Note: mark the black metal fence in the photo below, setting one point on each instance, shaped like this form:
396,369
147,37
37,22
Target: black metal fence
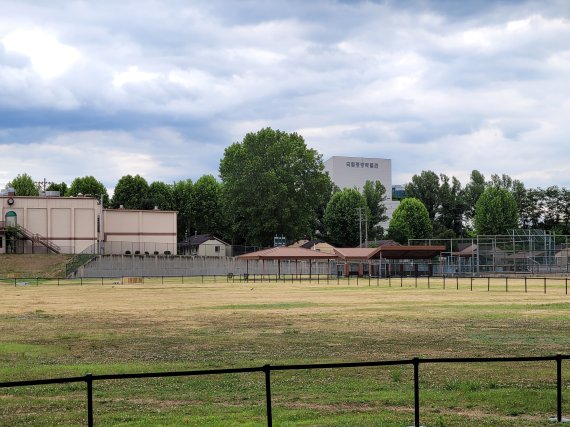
89,379
489,283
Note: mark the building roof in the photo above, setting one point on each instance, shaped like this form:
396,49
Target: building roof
286,252
407,252
354,253
198,239
467,251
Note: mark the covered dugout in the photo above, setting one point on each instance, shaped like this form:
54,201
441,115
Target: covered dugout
293,261
413,260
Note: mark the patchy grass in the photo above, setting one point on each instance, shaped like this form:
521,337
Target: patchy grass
33,265
50,331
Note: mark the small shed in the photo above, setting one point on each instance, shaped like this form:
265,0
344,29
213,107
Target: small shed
205,245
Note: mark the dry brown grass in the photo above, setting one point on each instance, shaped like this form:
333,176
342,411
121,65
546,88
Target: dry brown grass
52,331
33,265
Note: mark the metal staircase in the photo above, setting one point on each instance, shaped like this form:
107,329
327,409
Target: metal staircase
37,238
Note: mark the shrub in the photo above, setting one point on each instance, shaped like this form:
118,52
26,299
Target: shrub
166,252
127,252
156,252
137,252
146,253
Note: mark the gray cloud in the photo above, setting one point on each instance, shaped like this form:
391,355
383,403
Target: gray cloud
161,89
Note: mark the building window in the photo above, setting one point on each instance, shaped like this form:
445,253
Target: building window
217,249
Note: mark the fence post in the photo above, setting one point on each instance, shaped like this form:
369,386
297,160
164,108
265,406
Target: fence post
416,362
545,285
559,388
507,284
488,284
428,281
89,380
267,370
471,286
525,287
457,281
444,281
567,286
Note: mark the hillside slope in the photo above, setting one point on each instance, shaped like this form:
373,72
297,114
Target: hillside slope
33,265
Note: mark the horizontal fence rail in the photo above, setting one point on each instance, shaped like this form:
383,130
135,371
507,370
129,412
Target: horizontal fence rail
89,379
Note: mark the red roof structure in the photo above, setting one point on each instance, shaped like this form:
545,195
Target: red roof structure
286,253
354,253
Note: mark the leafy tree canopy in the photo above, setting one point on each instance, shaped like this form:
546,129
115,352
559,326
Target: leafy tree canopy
61,187
24,185
88,185
159,195
375,194
273,185
496,212
410,221
182,199
208,211
131,192
425,187
343,219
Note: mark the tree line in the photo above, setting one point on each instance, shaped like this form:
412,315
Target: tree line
272,184
488,207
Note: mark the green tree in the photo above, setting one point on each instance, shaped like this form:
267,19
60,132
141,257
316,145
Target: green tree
410,221
375,194
24,185
88,185
131,192
496,212
272,185
208,211
61,187
342,217
320,228
182,199
425,188
452,207
471,194
159,195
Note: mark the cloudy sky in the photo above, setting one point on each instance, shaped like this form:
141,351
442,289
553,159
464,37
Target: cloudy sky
160,88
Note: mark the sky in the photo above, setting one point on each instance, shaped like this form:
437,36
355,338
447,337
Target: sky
161,88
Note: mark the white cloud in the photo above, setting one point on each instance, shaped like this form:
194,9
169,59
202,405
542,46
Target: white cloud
49,57
133,76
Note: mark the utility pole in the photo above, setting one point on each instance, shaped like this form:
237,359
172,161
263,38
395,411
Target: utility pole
366,230
360,224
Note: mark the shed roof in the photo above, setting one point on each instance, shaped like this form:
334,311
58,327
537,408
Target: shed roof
198,239
286,252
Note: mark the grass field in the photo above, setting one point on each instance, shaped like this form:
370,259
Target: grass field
54,331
